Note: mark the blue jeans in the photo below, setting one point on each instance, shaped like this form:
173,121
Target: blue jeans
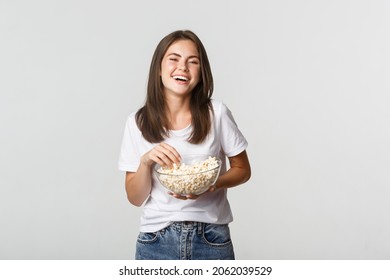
186,241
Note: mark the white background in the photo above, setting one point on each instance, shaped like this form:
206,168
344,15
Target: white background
304,80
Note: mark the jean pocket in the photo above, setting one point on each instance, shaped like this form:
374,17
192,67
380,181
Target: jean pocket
147,237
217,235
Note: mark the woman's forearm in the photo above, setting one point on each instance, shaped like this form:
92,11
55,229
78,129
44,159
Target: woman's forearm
239,172
233,177
138,185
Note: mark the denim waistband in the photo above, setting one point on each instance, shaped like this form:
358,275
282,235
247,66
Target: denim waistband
187,225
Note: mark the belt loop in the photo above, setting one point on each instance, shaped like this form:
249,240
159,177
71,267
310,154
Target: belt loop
200,228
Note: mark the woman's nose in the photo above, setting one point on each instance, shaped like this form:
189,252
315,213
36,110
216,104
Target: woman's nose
183,67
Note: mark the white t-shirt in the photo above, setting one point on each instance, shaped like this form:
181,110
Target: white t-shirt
161,209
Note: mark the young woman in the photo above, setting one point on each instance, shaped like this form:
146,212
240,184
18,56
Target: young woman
178,118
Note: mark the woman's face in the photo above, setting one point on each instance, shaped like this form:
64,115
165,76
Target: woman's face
180,68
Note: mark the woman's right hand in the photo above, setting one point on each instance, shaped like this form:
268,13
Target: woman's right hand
162,154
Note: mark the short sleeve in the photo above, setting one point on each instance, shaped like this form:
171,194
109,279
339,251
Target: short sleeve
232,140
129,154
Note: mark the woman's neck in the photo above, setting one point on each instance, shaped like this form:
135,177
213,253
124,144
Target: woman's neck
178,113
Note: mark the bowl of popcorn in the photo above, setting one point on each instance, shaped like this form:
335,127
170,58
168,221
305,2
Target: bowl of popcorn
194,175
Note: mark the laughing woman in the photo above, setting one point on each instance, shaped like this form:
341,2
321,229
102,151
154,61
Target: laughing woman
179,117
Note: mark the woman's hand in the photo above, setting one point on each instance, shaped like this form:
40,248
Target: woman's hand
191,196
162,154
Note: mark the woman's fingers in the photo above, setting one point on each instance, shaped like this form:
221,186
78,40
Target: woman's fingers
165,155
190,196
178,196
183,197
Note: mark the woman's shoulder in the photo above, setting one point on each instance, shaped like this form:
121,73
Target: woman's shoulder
216,102
219,107
132,115
131,120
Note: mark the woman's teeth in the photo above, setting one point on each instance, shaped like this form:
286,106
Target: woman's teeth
180,78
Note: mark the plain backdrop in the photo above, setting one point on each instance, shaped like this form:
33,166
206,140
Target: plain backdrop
305,81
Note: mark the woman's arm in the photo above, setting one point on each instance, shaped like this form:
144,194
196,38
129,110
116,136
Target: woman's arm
139,184
239,172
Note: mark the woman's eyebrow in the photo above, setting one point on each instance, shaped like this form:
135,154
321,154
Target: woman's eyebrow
178,55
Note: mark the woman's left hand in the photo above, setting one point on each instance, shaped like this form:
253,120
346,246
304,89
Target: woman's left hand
191,196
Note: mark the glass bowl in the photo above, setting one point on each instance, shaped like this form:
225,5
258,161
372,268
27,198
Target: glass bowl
195,174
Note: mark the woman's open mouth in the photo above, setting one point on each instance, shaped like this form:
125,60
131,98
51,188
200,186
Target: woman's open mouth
180,78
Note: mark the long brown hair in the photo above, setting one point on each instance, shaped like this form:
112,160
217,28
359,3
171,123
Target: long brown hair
151,118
